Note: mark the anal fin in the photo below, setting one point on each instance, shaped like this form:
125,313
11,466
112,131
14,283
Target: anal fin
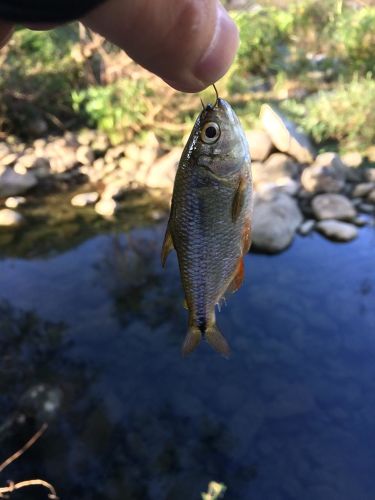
238,277
167,246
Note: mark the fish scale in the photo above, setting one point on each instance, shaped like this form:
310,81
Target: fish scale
210,218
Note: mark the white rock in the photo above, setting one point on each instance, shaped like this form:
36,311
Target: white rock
366,208
84,199
260,144
352,159
14,201
363,189
288,186
369,174
278,166
12,184
306,227
162,173
85,155
329,159
41,167
371,196
333,206
10,218
325,175
360,221
337,231
9,159
285,136
106,207
275,220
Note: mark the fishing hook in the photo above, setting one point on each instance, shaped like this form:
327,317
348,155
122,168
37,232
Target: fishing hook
217,95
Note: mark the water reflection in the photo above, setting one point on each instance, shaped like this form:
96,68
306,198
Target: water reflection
290,416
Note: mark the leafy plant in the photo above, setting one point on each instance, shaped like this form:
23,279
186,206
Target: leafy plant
345,113
263,33
355,38
119,109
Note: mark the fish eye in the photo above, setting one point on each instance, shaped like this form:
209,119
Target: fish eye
210,132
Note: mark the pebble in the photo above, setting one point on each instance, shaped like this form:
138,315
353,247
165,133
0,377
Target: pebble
360,221
10,218
333,206
14,201
306,227
106,207
363,189
352,159
325,175
371,196
85,155
84,199
366,208
336,230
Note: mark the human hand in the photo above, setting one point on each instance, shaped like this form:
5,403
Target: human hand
188,43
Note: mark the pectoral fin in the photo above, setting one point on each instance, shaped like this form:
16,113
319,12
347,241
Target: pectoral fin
239,199
167,246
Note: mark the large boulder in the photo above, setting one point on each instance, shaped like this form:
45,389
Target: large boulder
325,175
260,144
333,206
162,172
13,183
275,221
278,167
285,136
337,231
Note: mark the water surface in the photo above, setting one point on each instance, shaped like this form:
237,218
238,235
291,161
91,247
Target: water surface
290,416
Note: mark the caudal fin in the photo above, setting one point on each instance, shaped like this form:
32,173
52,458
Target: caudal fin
216,340
192,339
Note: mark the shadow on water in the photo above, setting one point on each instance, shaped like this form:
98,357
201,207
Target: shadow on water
100,326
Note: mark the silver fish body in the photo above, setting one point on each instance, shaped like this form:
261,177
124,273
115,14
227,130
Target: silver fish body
210,219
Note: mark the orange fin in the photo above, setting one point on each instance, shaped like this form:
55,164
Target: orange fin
238,277
192,339
167,246
246,236
238,200
217,341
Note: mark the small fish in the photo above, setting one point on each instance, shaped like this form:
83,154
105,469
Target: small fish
210,219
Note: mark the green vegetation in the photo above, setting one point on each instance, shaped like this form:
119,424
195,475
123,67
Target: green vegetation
114,108
345,114
313,58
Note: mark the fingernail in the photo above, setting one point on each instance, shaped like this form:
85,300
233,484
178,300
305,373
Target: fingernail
222,50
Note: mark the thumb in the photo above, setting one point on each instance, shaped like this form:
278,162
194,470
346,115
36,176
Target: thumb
6,30
188,43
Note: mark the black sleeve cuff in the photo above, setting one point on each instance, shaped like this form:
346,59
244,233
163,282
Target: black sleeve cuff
45,11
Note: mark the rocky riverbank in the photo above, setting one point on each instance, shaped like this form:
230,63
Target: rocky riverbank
296,189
